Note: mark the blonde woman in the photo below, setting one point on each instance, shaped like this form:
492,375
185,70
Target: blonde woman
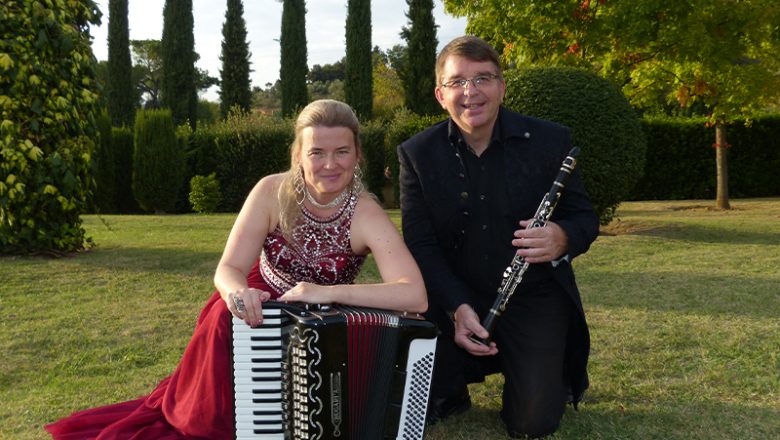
301,236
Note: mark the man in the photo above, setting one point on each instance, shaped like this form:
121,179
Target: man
469,186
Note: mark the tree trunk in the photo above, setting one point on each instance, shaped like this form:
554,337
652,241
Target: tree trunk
721,166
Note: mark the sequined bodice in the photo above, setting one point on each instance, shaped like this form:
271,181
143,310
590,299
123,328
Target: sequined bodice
319,252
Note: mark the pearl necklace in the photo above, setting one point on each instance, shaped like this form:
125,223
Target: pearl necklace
332,204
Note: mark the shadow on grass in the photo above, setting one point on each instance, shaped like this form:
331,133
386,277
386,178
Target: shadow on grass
752,295
669,419
612,420
691,233
146,259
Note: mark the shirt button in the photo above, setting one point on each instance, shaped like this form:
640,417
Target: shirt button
481,197
464,195
461,176
484,227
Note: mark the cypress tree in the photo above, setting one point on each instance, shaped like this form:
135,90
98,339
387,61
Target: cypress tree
358,68
419,78
178,62
120,92
292,73
235,90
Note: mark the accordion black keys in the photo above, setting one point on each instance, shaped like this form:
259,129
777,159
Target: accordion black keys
332,372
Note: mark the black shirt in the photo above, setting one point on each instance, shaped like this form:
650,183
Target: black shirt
487,246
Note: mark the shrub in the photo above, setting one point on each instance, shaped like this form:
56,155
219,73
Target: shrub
47,108
122,146
158,161
204,193
602,121
404,125
372,138
245,148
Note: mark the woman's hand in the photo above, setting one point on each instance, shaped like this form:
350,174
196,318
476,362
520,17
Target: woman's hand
308,293
247,304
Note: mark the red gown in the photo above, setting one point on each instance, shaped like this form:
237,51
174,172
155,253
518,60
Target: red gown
196,401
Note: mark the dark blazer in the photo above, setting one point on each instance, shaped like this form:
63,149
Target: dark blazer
434,210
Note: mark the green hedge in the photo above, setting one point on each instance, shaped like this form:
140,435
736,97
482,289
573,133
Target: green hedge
680,160
404,125
103,168
158,161
122,146
372,137
242,150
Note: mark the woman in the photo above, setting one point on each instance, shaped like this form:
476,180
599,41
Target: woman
301,236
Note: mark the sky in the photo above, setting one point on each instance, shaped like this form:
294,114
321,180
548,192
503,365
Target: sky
325,29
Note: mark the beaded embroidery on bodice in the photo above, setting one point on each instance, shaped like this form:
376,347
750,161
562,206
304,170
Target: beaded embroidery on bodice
320,252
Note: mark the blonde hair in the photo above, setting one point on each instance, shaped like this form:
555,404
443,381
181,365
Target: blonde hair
320,113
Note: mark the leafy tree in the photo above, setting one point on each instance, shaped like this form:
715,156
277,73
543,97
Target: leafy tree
719,54
177,52
268,100
419,76
357,71
121,98
147,71
48,98
292,73
388,89
327,72
235,56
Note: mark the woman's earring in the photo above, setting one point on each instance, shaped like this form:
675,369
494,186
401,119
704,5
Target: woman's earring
357,180
300,186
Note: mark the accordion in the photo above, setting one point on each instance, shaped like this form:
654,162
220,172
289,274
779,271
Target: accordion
332,372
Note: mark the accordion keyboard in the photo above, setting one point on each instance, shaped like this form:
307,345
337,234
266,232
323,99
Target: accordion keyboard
257,356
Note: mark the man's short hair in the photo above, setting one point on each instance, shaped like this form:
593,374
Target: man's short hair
469,47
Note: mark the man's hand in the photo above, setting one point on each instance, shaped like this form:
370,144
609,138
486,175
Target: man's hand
540,245
467,324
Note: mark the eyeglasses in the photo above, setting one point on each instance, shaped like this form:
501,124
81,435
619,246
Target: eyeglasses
479,80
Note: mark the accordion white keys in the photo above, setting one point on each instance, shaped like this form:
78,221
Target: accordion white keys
322,372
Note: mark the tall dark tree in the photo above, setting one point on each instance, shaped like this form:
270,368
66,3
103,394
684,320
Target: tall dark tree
292,73
235,90
419,75
358,85
120,91
178,87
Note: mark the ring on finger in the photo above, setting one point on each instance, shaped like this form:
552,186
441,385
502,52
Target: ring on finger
240,307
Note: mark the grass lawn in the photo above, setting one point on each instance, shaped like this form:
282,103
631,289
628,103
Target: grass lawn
683,303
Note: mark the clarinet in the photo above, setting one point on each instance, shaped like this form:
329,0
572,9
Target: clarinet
513,274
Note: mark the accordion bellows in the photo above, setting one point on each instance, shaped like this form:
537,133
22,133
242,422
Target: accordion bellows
322,372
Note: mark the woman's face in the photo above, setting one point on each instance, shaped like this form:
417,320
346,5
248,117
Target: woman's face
328,158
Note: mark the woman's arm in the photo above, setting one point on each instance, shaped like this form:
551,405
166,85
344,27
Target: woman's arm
402,287
252,225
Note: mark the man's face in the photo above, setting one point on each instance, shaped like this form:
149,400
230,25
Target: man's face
472,107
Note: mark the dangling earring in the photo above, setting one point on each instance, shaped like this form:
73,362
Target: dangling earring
357,180
299,186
